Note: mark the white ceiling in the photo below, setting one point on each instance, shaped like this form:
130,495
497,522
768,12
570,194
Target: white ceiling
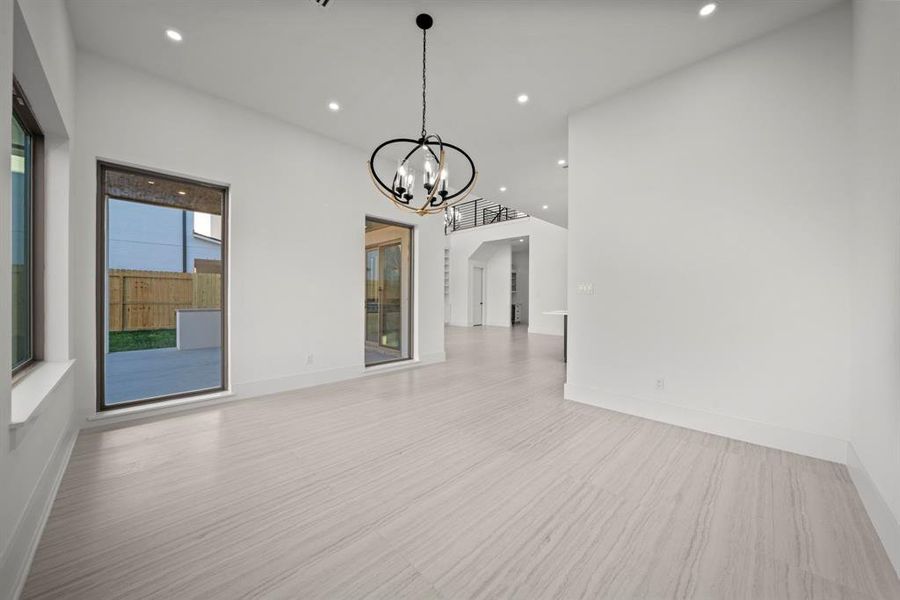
289,58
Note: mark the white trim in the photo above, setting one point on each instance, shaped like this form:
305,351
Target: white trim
756,432
16,560
251,390
265,387
126,413
28,393
406,364
883,519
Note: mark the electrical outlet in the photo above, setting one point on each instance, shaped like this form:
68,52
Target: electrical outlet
660,384
310,359
584,289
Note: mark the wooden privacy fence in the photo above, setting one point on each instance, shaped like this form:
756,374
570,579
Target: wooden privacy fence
149,299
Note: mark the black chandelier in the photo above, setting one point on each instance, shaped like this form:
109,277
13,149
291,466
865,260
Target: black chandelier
434,194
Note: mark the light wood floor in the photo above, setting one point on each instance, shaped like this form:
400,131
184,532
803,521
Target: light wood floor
470,479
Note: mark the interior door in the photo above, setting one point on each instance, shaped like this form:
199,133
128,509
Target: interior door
477,296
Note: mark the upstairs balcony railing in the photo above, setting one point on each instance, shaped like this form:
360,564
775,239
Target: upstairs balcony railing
476,213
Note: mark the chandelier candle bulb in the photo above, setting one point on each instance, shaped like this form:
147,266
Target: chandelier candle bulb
429,172
444,191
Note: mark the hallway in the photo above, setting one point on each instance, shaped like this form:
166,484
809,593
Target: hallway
470,478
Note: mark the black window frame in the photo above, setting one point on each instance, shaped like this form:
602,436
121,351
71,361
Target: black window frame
23,113
102,280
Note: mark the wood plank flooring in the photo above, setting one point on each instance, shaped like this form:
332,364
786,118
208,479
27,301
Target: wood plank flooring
469,479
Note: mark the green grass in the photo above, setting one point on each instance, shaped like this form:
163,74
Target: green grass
124,341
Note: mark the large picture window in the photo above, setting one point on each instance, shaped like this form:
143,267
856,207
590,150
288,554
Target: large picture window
161,290
24,164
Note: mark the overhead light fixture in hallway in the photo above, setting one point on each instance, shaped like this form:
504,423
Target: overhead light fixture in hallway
708,9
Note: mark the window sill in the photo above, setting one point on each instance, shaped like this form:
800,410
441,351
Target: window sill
163,406
35,385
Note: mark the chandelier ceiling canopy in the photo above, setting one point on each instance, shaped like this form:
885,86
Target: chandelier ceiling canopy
420,181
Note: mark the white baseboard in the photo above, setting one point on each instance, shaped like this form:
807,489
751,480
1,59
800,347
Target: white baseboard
883,518
434,357
265,387
253,389
791,440
305,380
16,561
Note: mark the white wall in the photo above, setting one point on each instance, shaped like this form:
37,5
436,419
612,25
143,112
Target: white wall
298,208
709,210
494,270
874,459
520,266
497,286
32,455
547,276
9,513
547,269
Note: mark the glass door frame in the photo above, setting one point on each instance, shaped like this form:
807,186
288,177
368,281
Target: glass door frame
381,263
102,278
411,293
374,251
384,265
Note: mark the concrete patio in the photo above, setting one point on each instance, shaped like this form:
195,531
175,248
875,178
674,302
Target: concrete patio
375,355
143,374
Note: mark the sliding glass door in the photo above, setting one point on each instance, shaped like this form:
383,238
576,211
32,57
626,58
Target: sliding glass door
388,291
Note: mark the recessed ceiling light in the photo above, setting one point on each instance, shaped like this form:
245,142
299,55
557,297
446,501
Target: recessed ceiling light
503,189
174,35
708,9
544,207
182,193
151,182
334,106
522,99
561,162
521,239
